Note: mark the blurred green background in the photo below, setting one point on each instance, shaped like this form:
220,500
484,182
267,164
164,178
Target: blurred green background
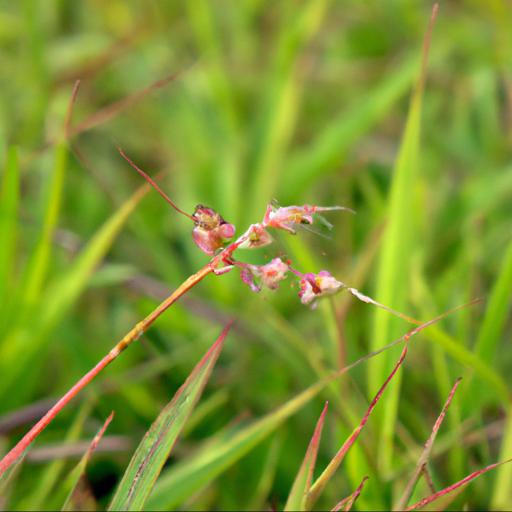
302,102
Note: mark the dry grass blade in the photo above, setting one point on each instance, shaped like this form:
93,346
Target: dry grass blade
348,502
331,468
298,494
76,481
456,485
422,462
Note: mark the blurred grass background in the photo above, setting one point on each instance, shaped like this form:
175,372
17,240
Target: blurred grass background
304,102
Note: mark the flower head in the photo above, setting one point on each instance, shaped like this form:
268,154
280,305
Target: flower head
288,216
314,286
256,236
211,231
269,275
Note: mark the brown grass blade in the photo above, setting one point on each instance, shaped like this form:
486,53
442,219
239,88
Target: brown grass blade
422,461
302,483
346,503
456,485
331,468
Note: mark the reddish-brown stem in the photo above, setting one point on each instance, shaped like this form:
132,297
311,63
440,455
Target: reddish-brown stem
154,184
134,334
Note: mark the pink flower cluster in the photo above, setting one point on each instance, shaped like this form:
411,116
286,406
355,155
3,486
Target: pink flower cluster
212,233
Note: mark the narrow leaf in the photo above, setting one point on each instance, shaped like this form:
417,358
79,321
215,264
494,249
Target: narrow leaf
422,461
328,473
155,447
451,488
9,203
394,260
298,494
346,503
74,483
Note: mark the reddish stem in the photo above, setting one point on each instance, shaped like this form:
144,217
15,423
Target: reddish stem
134,334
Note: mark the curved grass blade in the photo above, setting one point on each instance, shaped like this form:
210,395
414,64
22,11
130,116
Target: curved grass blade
151,454
76,480
421,465
298,494
348,502
456,485
191,475
394,260
328,473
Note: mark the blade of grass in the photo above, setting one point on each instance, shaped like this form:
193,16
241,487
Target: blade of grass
9,203
7,481
496,314
76,479
456,485
151,454
38,499
191,475
328,473
38,264
394,260
422,462
328,150
300,488
346,503
20,349
502,491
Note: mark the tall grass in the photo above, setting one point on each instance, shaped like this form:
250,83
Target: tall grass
254,101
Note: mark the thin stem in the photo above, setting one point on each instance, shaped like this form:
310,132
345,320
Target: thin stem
154,184
134,334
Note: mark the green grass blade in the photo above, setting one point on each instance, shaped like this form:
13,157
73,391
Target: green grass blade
38,265
74,483
38,499
495,317
394,261
9,202
502,490
191,475
302,483
329,148
151,454
21,348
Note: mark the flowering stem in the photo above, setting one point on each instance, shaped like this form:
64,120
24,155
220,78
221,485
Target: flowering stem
134,334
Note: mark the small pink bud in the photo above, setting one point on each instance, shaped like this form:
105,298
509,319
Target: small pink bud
211,231
314,286
256,236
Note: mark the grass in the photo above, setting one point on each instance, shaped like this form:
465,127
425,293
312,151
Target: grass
254,102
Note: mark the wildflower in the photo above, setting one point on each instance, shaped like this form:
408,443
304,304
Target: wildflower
286,217
269,275
314,286
211,231
256,236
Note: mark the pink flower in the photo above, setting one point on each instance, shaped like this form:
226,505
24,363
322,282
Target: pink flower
269,275
211,231
286,217
314,286
256,236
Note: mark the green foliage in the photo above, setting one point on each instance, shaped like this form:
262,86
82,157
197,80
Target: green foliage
304,105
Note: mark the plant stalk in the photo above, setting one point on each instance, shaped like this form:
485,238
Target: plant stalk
133,335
